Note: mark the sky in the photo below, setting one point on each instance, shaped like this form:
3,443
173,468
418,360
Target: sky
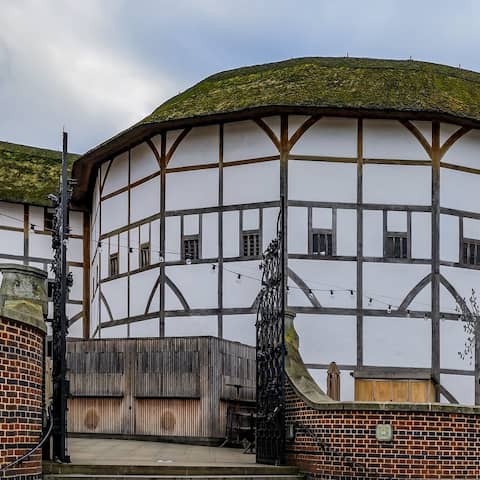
95,67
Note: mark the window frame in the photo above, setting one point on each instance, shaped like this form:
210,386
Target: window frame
251,231
113,257
325,231
144,247
322,231
189,238
48,213
470,242
391,233
245,234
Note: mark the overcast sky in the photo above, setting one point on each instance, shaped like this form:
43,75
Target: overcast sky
97,66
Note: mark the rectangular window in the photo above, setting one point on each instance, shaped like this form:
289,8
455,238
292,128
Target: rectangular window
396,245
113,265
322,242
471,252
48,219
144,255
191,247
251,243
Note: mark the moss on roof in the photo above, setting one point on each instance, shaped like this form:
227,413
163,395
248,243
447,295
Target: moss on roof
338,83
29,174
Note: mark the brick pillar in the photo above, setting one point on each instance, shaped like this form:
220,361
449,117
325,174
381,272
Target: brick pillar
23,303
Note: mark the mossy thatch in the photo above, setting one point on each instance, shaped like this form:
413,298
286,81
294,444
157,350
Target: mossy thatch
29,174
337,83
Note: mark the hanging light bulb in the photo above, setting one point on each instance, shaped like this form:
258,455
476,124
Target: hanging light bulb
99,245
161,259
331,293
188,261
351,293
389,309
130,249
370,301
408,314
239,277
32,227
214,267
310,293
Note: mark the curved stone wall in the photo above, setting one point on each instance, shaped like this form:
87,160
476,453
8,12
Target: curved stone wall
22,333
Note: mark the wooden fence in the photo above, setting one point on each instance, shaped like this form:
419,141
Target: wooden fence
168,388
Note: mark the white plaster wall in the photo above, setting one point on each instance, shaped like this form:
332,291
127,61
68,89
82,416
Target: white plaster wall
117,176
141,286
465,151
459,190
322,218
36,217
295,122
389,139
397,342
452,341
76,221
75,249
172,302
142,162
461,387
210,235
38,245
449,238
322,181
372,233
325,275
389,283
397,184
172,238
114,212
231,247
240,292
297,230
327,338
145,328
197,282
333,137
246,140
76,330
422,235
119,331
135,246
12,215
76,291
200,146
155,241
123,256
240,328
145,200
191,224
471,228
116,294
274,123
251,219
259,182
397,221
463,280
346,232
191,326
270,216
194,189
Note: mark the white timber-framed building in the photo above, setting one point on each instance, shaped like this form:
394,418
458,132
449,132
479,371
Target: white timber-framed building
379,163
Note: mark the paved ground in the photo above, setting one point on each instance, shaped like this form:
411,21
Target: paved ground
132,452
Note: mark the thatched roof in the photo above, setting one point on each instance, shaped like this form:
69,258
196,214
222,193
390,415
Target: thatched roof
29,174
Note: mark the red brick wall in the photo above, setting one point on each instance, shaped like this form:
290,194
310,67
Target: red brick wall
21,379
426,444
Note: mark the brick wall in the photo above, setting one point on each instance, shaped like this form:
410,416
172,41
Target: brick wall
21,372
441,441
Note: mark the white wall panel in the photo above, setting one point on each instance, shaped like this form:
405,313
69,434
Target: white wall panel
36,217
240,292
245,140
210,235
334,137
76,222
38,245
421,235
258,182
141,286
231,247
327,338
452,341
326,275
12,215
114,212
145,200
75,249
390,139
116,294
200,146
119,331
240,328
172,238
463,280
145,328
459,190
295,122
172,302
76,329
117,176
391,282
251,219
270,216
76,291
297,230
449,238
155,241
191,326
198,284
322,218
142,162
123,256
135,246
397,342
372,233
471,228
195,189
461,387
191,224
346,232
397,184
465,151
397,221
322,181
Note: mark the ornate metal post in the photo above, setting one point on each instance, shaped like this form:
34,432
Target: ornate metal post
270,430
62,283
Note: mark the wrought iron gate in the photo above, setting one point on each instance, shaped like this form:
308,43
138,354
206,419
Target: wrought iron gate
270,430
